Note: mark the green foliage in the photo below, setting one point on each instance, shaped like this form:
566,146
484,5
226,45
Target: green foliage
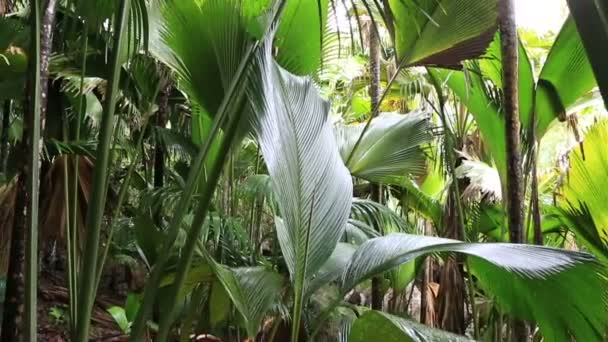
391,149
583,194
374,325
431,32
505,270
566,76
590,18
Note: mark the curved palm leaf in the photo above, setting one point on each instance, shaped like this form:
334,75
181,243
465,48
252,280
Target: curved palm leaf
377,216
253,290
300,36
566,76
333,267
590,18
432,32
376,325
415,198
390,150
311,184
524,279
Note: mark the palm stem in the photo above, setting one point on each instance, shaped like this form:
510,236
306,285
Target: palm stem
73,247
100,176
196,229
31,255
184,203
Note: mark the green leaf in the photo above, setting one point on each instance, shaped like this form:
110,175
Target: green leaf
525,279
590,17
120,318
416,199
432,32
219,304
391,149
471,89
148,237
566,76
311,184
253,290
377,216
333,268
222,38
585,189
491,67
300,35
380,326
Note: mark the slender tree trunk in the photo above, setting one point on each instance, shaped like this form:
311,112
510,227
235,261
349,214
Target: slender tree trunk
15,281
374,94
159,150
4,143
508,34
20,303
452,291
427,298
46,47
534,201
515,205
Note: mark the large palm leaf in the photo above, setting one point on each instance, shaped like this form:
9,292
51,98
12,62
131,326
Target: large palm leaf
565,77
311,184
584,194
391,149
590,17
524,279
376,325
442,32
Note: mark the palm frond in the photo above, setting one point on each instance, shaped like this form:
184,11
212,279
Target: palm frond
382,326
524,279
390,151
378,216
442,32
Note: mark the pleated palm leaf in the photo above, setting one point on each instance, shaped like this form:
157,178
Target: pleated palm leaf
391,149
311,184
524,279
590,19
431,32
583,195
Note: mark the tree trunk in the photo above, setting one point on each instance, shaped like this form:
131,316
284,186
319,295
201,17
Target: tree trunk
159,150
534,201
46,47
15,281
4,143
509,46
374,94
452,291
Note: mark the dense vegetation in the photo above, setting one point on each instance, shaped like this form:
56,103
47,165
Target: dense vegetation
302,170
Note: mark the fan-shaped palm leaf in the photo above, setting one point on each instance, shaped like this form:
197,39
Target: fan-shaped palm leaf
585,190
524,279
432,32
377,216
390,151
